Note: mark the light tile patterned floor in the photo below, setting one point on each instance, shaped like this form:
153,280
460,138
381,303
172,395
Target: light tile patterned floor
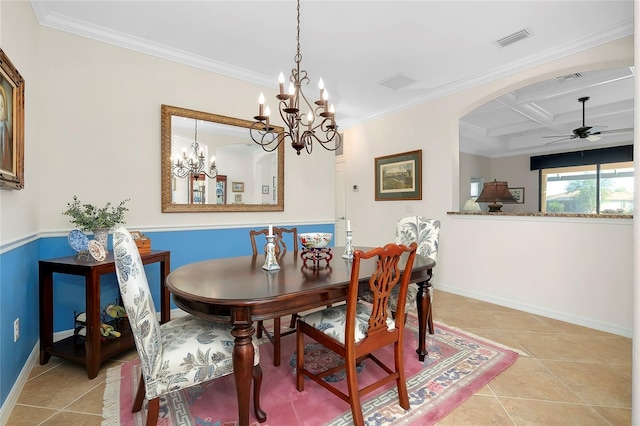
573,376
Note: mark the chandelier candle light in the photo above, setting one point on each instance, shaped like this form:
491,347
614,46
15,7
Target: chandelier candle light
301,128
194,165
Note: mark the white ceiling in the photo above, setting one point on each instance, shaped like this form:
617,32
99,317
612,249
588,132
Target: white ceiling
443,46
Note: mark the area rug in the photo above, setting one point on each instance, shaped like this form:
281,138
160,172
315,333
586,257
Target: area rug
458,365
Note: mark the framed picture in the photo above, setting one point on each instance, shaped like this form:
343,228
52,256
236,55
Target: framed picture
11,125
238,198
399,176
265,189
136,235
237,186
518,194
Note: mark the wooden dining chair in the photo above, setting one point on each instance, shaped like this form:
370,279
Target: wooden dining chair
275,337
294,234
178,354
356,329
255,239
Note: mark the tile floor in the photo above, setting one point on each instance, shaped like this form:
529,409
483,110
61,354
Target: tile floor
573,376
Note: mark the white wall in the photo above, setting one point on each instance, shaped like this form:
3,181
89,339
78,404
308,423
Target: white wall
574,270
100,135
516,171
93,129
472,166
19,40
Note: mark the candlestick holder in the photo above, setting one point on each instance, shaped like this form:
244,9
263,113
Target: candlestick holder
270,261
348,247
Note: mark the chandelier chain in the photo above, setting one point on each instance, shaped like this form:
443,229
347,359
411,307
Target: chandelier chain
302,128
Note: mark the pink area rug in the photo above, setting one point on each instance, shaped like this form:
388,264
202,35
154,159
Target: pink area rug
458,365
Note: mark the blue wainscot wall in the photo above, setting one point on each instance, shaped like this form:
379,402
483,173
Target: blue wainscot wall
19,287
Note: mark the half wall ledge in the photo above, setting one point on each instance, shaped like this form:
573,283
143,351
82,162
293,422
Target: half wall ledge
539,214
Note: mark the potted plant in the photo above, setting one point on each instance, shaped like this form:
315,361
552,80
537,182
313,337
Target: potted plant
88,217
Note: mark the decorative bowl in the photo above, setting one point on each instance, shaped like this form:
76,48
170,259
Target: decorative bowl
315,239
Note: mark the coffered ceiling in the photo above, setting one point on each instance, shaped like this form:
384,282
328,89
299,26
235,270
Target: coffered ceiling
524,121
377,57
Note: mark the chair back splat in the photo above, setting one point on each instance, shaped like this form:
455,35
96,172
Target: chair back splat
357,329
278,240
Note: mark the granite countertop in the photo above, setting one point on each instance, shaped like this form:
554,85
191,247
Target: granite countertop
540,214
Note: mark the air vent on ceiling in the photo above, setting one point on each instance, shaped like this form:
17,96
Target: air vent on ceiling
397,82
510,39
567,77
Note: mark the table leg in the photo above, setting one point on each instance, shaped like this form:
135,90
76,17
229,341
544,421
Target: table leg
165,296
243,353
423,303
46,313
92,343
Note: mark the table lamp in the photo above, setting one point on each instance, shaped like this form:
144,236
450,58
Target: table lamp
471,206
495,193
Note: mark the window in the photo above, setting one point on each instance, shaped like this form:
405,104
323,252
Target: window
594,181
476,184
592,188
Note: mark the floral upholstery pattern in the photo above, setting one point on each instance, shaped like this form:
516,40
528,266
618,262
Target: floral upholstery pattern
426,233
179,353
332,321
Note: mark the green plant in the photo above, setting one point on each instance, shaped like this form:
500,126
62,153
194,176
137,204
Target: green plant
88,217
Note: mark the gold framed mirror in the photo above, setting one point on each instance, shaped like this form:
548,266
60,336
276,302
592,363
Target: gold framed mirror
237,175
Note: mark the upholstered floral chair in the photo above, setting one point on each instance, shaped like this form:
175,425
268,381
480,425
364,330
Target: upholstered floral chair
178,354
426,233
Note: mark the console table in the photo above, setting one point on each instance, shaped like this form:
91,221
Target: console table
94,351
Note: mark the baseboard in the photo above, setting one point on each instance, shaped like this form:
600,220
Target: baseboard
17,387
560,316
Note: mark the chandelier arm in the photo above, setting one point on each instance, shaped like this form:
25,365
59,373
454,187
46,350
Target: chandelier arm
265,136
300,131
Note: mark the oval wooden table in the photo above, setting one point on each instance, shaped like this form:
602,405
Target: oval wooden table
239,291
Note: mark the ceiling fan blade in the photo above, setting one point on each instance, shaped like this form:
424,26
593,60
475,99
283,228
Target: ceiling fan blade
603,132
559,136
561,140
596,129
593,138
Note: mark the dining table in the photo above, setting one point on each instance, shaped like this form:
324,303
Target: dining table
239,291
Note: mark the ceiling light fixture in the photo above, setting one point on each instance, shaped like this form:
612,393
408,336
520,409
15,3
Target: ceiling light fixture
301,128
194,165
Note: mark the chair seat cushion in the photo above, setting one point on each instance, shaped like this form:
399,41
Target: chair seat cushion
193,351
412,294
332,321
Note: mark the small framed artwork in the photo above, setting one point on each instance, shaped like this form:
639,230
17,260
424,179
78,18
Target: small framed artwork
136,235
518,194
265,189
237,186
399,176
238,198
11,125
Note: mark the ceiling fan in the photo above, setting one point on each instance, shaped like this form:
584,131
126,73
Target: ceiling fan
586,132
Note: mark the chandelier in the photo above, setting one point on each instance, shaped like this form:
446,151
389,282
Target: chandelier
194,165
302,128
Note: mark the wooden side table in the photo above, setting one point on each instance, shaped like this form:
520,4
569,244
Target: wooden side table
94,351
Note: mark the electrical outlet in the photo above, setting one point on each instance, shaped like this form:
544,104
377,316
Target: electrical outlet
16,329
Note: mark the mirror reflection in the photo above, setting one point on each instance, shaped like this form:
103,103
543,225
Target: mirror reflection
209,163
